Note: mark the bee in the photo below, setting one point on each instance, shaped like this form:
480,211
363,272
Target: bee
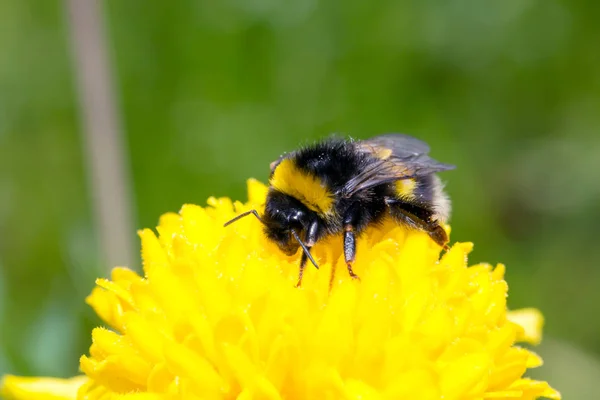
341,186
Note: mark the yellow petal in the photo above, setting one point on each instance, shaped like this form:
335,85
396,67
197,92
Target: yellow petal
532,322
466,377
216,316
534,389
17,388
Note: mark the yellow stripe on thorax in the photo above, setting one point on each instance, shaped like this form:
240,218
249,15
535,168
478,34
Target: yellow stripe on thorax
310,190
405,188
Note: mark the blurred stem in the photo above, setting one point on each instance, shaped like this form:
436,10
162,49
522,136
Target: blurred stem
105,154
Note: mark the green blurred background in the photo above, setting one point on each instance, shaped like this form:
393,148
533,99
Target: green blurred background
210,92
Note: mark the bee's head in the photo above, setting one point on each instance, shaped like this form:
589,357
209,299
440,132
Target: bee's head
285,220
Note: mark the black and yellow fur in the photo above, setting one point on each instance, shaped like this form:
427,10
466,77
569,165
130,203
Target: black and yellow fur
309,196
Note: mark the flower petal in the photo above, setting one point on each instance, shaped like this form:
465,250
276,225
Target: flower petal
532,322
17,388
216,315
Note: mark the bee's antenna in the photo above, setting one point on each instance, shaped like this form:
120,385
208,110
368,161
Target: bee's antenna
306,250
244,214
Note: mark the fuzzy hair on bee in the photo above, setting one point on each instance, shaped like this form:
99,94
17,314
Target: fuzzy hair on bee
342,186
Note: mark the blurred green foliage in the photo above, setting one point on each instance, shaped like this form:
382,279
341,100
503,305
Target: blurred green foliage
211,92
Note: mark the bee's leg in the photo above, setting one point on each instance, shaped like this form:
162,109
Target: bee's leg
350,248
332,276
354,222
418,218
303,261
439,235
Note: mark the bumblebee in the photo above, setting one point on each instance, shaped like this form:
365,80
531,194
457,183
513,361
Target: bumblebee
341,186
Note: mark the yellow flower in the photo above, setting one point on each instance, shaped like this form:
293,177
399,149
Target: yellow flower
217,316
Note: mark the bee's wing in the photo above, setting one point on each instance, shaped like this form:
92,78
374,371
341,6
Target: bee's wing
397,156
400,144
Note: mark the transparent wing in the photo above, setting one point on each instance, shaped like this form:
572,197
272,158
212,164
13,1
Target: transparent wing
396,156
400,144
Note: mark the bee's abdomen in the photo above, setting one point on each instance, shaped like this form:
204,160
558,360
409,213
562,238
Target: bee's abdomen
426,192
407,189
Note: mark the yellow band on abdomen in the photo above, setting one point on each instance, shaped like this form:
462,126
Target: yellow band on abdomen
405,188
